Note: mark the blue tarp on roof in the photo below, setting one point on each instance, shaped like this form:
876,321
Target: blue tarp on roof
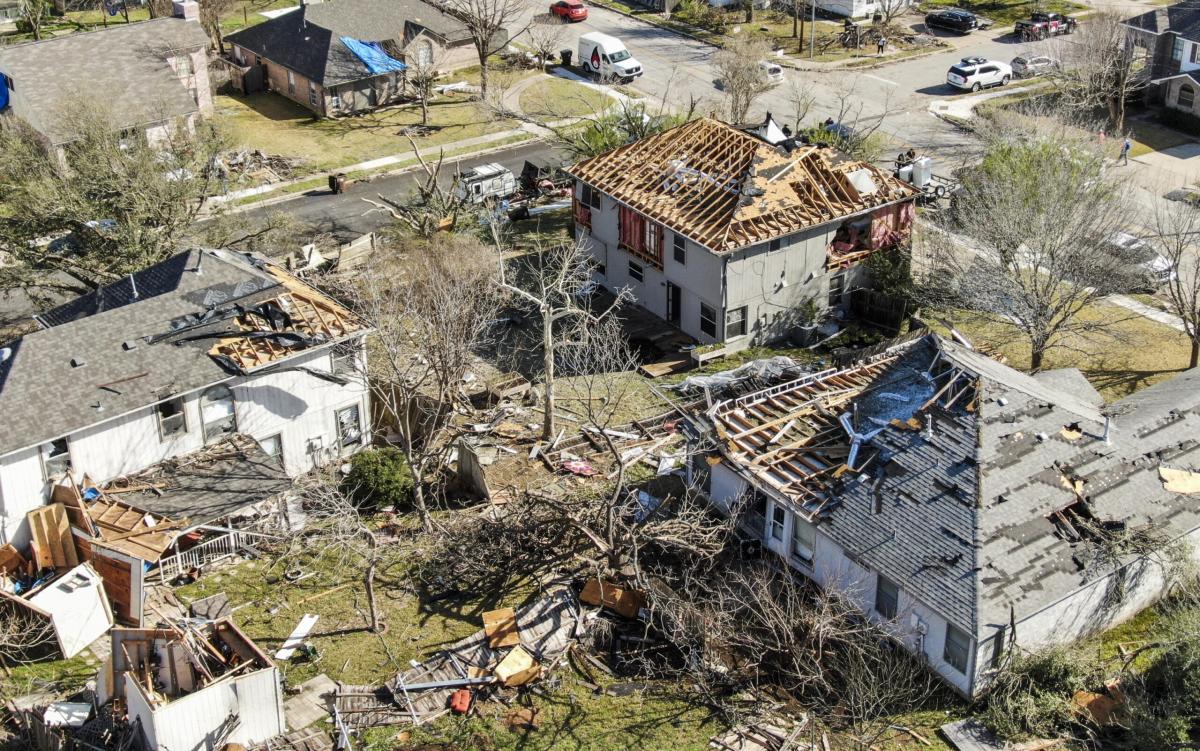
372,55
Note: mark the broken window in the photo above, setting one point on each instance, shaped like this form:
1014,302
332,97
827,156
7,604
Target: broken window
171,419
837,287
804,541
735,322
344,359
636,272
639,236
217,413
957,648
349,427
271,445
778,521
708,320
887,598
56,458
756,513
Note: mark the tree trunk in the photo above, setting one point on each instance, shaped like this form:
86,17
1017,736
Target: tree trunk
425,109
1037,356
369,582
796,19
419,499
548,369
1195,358
483,72
749,11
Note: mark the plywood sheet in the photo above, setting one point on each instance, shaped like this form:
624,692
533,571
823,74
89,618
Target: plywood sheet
500,626
621,601
53,543
11,561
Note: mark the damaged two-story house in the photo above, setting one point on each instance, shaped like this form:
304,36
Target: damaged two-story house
730,237
167,412
967,506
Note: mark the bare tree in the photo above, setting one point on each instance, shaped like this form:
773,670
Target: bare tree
888,10
434,207
123,204
1177,227
800,100
336,526
33,14
430,304
1100,66
488,22
739,65
551,282
546,34
1038,212
25,636
854,126
211,13
421,78
625,123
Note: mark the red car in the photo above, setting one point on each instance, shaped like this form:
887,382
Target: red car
571,10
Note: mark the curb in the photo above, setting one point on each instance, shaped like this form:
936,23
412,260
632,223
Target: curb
242,208
883,63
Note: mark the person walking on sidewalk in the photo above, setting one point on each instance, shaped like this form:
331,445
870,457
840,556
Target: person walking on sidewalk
881,44
1125,149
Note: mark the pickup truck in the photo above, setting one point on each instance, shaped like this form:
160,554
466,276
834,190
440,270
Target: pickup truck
1044,25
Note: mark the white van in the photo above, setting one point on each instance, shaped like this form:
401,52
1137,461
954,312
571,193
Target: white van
487,181
773,72
606,58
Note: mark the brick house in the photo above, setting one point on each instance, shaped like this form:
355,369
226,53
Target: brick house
1170,37
736,237
151,75
346,56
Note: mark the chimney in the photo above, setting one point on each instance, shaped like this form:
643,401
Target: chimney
188,10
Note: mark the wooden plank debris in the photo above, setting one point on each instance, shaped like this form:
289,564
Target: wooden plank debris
53,543
624,602
293,642
501,628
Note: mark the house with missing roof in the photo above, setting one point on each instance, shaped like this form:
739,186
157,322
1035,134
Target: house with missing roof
1169,40
165,415
968,507
339,57
151,76
732,236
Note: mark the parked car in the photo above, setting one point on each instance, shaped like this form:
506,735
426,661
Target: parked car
975,73
1028,66
570,10
1147,269
961,21
772,71
1043,25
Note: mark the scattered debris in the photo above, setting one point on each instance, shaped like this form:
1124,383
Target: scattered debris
623,602
766,734
1179,480
74,603
303,628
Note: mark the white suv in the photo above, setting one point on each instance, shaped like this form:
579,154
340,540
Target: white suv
975,73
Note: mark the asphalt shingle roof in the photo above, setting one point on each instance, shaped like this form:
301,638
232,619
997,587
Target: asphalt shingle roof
1181,18
123,66
308,40
961,519
111,352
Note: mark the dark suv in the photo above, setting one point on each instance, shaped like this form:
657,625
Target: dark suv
961,21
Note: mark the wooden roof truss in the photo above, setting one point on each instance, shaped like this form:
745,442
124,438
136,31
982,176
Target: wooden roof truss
310,313
727,189
788,435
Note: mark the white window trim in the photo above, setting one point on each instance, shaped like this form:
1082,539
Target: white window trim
162,434
345,449
44,457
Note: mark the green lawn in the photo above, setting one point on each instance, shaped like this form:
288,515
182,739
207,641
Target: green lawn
1006,12
1149,136
276,125
1142,352
557,98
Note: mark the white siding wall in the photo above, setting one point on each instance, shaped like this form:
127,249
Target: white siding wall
833,569
187,723
294,405
1189,51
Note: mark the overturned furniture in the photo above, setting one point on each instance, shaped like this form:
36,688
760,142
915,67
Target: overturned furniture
192,687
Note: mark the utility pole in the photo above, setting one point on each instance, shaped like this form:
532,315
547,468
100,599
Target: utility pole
812,31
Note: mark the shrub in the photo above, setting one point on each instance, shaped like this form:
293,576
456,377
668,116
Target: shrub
1032,694
1180,120
380,477
1174,679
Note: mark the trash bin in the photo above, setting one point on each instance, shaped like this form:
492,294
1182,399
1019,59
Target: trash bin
565,56
337,183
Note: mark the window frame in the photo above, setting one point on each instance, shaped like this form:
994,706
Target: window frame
775,245
735,328
206,427
886,606
339,354
1177,47
291,83
637,272
710,319
679,249
797,525
778,522
48,458
756,513
950,657
163,434
278,439
1191,94
344,445
313,99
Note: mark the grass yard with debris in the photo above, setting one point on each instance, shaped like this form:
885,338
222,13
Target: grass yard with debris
1140,352
280,127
